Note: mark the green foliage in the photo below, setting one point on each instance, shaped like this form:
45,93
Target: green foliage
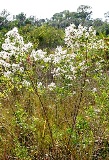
43,37
54,103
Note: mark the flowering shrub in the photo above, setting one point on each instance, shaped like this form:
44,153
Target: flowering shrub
70,64
66,63
14,56
82,37
61,101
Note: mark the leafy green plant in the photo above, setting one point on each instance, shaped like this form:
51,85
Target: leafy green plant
57,102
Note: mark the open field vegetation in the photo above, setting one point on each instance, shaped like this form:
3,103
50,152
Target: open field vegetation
54,93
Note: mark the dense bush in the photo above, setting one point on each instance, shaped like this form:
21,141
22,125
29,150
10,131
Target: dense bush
55,105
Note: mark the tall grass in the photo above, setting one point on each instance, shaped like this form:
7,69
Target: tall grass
63,118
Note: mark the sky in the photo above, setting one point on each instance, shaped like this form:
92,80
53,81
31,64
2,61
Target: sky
46,8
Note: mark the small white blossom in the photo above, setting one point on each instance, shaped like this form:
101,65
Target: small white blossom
94,90
87,80
47,59
39,84
26,83
51,86
74,92
5,64
97,111
7,74
38,55
21,69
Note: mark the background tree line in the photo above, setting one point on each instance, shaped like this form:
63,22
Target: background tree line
48,33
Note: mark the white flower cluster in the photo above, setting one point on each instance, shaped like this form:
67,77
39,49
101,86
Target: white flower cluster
66,64
14,43
82,37
51,86
63,62
58,55
14,51
38,55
